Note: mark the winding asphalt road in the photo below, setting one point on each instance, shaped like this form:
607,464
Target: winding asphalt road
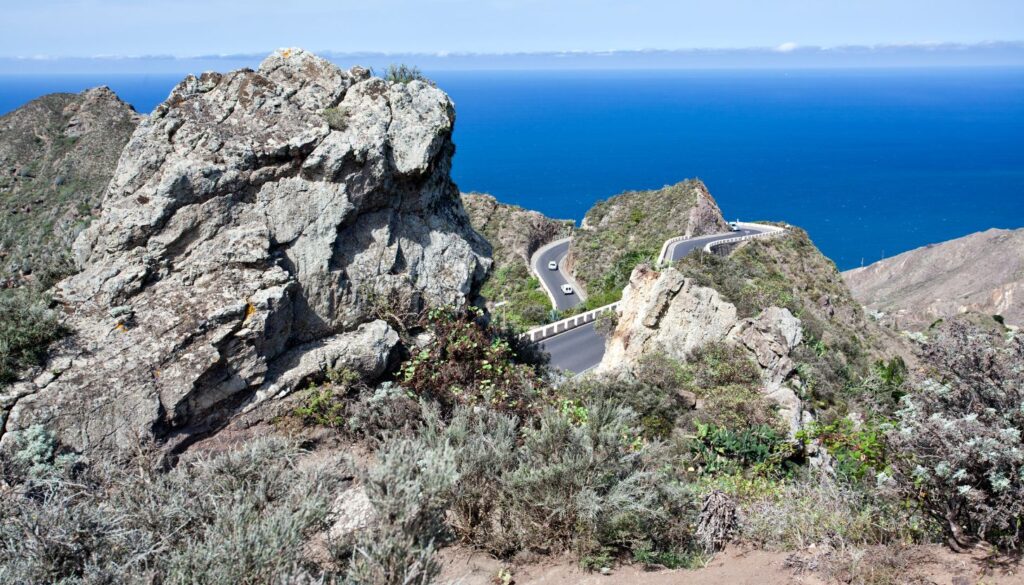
580,349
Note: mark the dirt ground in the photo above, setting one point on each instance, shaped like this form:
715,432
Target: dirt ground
921,565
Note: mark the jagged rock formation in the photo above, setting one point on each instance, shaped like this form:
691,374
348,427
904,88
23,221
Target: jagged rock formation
639,222
57,154
243,246
665,313
982,272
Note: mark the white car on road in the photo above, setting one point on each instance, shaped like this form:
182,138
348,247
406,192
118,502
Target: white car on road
734,226
552,265
566,289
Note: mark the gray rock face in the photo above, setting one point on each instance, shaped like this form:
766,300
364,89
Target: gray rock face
663,312
243,245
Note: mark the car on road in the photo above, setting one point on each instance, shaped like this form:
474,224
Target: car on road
552,265
734,226
566,289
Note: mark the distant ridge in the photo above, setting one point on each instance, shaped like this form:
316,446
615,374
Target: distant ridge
990,54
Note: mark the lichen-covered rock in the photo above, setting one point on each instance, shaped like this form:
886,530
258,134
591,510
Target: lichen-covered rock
244,243
664,313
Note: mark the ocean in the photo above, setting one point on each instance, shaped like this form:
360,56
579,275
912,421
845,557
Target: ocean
870,162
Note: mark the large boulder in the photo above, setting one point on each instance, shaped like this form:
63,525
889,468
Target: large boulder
667,314
246,244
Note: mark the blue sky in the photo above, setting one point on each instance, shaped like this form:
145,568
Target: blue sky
86,28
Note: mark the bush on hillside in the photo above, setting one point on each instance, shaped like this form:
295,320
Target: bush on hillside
243,516
27,328
402,73
469,362
957,441
586,483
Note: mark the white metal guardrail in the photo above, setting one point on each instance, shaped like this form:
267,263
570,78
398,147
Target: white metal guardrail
769,230
552,329
668,243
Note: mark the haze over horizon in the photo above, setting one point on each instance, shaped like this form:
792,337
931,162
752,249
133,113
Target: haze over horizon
189,28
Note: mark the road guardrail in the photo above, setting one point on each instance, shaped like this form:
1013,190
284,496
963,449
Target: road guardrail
769,231
551,329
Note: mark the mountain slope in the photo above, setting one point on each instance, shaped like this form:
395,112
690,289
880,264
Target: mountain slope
57,154
981,272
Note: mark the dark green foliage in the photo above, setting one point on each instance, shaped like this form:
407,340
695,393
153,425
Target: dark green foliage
859,450
27,328
608,288
525,304
719,450
469,362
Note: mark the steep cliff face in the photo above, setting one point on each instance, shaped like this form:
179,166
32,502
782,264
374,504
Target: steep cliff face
57,154
244,246
619,232
664,313
982,272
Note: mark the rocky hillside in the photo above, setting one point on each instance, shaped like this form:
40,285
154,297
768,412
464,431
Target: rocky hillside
247,245
982,272
515,234
57,154
621,231
779,300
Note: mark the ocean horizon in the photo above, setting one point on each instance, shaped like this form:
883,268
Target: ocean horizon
871,162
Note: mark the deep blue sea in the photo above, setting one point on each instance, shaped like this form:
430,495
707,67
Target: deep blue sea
870,162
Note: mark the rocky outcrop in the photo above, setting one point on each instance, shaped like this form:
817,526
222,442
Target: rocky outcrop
57,154
243,246
667,314
662,312
982,272
638,223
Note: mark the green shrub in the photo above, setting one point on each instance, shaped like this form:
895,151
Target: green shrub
859,450
816,509
719,450
27,328
402,73
468,362
585,483
409,488
719,364
957,444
